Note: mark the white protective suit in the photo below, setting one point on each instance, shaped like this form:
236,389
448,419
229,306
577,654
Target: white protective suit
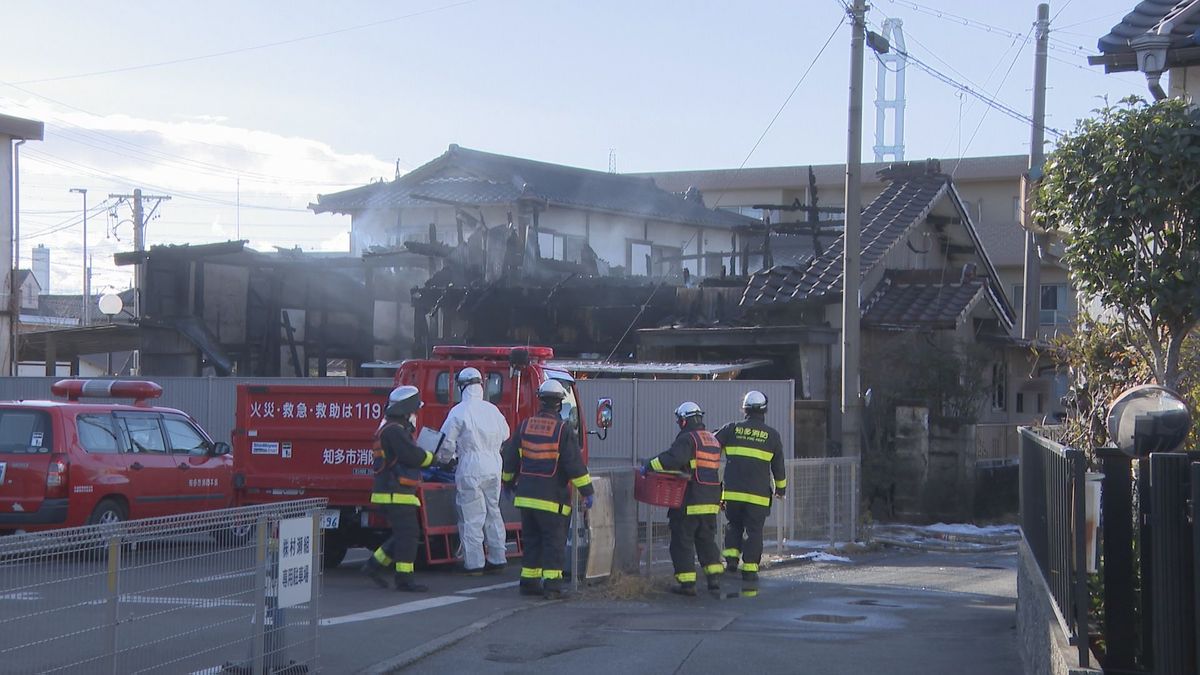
475,430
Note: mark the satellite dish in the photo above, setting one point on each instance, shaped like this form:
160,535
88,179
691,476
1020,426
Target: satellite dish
1147,419
111,304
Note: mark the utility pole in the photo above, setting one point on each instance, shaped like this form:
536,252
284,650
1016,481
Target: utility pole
85,311
139,244
851,407
1031,301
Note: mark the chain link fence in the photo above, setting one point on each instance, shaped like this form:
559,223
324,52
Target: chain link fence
210,592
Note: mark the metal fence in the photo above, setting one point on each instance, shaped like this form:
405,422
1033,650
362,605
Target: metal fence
209,592
643,411
1053,524
821,509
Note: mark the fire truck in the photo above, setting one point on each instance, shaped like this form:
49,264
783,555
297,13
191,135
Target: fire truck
301,441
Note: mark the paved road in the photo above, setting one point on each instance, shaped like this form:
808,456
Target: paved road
893,612
897,612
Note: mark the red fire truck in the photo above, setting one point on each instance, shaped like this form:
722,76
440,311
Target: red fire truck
295,441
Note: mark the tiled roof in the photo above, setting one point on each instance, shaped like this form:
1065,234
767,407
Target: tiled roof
900,303
1147,16
903,203
463,175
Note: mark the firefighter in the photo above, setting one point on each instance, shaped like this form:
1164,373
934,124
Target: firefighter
397,466
753,470
694,524
475,431
539,460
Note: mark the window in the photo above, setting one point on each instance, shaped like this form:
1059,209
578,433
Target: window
999,386
443,392
24,432
1055,303
144,434
185,439
98,434
557,246
1020,402
639,258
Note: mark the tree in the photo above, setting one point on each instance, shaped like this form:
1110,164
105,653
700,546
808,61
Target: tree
1123,189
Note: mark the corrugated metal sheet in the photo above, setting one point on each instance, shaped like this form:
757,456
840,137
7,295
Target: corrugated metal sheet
644,412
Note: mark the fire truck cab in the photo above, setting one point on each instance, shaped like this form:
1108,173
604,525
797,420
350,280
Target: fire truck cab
69,463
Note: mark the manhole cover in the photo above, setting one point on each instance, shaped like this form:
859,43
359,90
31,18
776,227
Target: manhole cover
873,603
831,618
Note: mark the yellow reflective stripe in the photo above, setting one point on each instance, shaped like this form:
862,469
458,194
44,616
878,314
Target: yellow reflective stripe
746,497
404,567
686,577
383,558
552,574
541,505
506,476
749,567
781,483
702,509
731,553
691,464
585,479
750,593
656,465
394,498
531,573
754,453
428,459
714,569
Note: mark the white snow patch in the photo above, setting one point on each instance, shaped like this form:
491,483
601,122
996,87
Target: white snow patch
965,528
821,556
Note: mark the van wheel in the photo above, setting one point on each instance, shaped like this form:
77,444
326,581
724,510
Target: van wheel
108,512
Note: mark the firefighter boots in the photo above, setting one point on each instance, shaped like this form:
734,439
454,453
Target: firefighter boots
405,584
552,589
375,572
531,587
687,588
731,565
714,583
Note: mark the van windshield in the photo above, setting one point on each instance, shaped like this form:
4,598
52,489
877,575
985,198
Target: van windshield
24,432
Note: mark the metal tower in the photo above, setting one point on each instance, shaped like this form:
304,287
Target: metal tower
892,63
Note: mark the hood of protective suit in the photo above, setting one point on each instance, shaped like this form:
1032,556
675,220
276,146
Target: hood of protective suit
475,429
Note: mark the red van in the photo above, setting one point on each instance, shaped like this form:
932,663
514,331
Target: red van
67,463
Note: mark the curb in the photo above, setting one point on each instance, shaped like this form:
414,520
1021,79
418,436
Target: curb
937,548
407,658
959,537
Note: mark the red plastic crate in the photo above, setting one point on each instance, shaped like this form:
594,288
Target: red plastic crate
660,489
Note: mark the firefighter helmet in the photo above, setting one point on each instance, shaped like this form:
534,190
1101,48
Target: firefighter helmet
469,376
551,390
754,400
404,401
686,411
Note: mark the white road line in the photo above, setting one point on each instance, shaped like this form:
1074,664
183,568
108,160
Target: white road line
186,602
223,577
21,595
394,610
493,587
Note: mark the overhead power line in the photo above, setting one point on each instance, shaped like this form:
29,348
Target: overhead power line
239,50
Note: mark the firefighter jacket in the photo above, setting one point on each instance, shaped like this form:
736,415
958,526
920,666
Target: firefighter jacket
697,453
541,458
753,461
397,466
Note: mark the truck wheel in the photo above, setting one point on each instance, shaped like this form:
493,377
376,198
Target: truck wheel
334,554
108,512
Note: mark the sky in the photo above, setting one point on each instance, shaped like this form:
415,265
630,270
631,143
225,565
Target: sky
243,111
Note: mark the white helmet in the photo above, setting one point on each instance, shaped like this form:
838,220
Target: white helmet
469,376
551,390
687,410
754,400
404,401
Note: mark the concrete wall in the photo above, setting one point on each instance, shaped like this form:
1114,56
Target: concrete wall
1043,646
934,469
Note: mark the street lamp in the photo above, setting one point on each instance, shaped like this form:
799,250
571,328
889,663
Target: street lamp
85,314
